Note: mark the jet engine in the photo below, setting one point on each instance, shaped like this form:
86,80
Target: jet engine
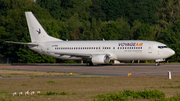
100,59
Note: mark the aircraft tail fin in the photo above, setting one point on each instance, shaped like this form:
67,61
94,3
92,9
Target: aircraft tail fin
37,32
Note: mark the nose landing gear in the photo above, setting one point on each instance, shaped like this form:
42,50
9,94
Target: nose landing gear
157,64
158,61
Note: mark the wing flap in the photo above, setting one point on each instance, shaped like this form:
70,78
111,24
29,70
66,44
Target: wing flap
72,54
82,55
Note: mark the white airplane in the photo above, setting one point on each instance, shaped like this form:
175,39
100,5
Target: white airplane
95,52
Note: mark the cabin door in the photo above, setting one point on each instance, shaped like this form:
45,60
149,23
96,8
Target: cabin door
150,48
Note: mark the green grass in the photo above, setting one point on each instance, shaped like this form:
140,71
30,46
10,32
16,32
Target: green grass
170,86
83,88
56,93
52,82
128,94
3,99
2,92
175,98
23,84
32,77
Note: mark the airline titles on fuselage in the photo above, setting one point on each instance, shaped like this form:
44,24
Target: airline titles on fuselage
130,44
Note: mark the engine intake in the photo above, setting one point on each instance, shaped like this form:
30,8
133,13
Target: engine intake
100,59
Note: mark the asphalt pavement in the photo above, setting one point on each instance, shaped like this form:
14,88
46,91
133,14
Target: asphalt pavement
107,70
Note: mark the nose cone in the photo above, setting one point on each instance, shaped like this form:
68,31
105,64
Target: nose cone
171,52
167,52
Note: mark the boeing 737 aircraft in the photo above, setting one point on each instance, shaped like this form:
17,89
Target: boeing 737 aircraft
95,52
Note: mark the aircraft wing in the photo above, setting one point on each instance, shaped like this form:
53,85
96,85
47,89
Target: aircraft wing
72,54
82,55
21,43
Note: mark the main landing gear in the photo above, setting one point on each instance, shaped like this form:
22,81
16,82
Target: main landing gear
157,63
89,64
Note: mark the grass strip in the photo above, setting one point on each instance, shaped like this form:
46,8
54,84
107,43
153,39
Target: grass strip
170,86
128,94
56,93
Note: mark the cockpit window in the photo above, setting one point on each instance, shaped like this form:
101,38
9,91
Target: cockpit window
161,47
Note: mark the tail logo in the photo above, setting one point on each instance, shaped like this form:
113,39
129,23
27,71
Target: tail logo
39,31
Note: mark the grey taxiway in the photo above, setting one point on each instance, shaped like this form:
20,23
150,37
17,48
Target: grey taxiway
108,70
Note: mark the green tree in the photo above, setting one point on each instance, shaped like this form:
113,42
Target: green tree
86,31
168,13
63,9
96,10
126,31
143,10
144,32
14,27
94,29
111,31
136,24
171,38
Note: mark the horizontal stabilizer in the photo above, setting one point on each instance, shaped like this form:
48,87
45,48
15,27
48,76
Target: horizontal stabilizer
21,43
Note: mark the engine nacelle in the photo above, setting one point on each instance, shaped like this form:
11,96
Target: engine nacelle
100,59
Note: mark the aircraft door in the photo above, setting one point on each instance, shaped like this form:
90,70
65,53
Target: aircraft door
150,48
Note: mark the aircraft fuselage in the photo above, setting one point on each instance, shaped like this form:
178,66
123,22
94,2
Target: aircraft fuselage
118,50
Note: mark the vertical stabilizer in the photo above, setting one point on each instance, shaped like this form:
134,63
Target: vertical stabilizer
37,32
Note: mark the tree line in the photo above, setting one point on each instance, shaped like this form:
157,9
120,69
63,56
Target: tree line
156,20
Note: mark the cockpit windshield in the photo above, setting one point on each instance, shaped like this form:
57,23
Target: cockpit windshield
161,47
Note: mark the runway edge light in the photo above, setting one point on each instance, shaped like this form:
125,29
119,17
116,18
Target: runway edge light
129,74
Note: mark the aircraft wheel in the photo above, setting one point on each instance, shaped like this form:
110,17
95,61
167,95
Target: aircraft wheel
89,64
157,63
104,64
